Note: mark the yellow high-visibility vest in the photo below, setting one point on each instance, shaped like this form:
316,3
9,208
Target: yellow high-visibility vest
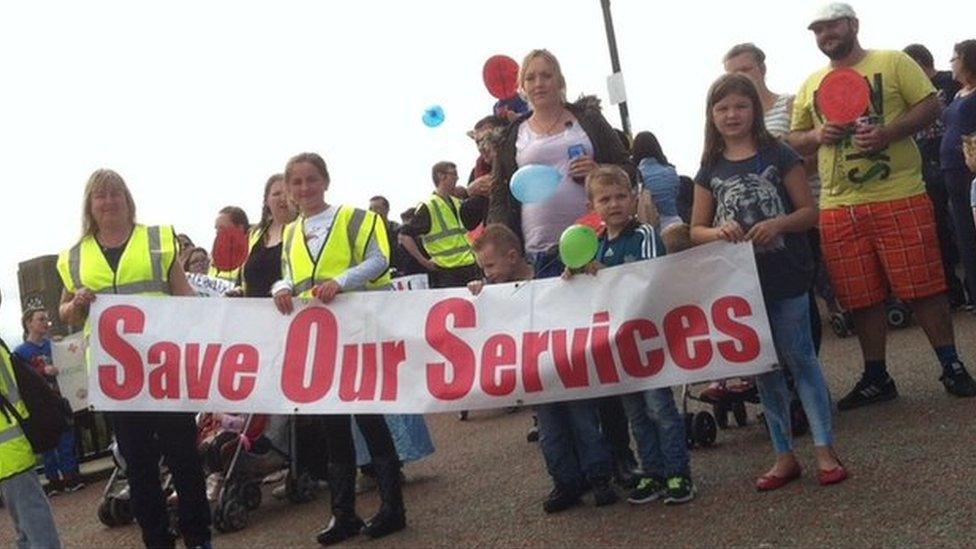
345,247
447,241
143,268
16,453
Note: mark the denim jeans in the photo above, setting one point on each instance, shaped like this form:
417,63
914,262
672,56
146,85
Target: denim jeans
572,444
569,432
29,509
958,183
61,461
789,320
660,433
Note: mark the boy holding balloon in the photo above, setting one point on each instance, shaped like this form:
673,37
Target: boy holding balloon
654,419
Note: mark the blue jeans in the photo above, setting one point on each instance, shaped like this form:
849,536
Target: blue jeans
29,509
569,432
789,320
660,433
571,442
61,461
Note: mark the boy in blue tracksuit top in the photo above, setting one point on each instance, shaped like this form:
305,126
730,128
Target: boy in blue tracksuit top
657,426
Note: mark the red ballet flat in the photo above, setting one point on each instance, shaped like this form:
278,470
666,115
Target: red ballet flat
834,476
767,483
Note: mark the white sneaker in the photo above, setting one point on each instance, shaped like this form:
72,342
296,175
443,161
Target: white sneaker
275,477
279,492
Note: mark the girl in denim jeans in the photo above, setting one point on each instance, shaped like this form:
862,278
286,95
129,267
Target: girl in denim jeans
753,188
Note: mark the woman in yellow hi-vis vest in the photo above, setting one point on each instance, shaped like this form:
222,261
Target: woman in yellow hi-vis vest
19,485
328,250
117,256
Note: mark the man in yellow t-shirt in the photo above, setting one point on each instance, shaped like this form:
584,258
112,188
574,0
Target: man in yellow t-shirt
877,226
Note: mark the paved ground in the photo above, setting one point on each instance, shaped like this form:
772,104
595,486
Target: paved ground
912,462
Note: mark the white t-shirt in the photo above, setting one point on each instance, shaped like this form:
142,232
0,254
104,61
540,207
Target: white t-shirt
543,222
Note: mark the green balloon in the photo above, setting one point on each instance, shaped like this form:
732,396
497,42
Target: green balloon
578,246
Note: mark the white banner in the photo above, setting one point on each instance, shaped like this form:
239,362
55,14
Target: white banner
690,317
68,355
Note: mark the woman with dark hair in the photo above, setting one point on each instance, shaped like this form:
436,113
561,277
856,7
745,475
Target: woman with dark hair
227,218
263,265
658,176
960,120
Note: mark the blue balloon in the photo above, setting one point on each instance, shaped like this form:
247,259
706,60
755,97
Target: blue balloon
535,183
433,116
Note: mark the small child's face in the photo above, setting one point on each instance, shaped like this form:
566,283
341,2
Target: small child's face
615,204
498,266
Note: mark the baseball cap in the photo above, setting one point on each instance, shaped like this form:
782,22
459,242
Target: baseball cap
832,12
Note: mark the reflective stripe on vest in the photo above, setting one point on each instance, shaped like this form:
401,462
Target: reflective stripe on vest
12,431
447,241
97,275
334,258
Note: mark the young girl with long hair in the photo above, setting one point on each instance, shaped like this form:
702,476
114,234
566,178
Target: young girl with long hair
753,188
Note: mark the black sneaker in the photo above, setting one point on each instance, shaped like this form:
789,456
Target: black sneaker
603,492
463,415
532,435
957,381
868,392
560,499
648,490
680,489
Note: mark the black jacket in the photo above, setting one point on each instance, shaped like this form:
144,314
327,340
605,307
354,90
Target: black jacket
607,149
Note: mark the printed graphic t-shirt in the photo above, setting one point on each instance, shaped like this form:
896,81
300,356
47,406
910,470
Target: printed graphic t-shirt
750,191
849,175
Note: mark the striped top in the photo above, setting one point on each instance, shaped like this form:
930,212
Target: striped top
778,116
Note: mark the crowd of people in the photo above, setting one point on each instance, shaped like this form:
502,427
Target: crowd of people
857,214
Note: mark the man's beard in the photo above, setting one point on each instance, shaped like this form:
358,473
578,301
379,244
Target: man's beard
842,50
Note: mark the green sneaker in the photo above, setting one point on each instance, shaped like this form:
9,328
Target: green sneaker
680,490
648,490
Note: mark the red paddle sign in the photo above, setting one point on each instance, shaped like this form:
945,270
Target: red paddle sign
229,249
843,96
500,74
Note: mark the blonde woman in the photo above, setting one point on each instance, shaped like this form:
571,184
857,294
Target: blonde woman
115,255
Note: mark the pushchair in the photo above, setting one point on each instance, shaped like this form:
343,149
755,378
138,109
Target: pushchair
115,509
266,447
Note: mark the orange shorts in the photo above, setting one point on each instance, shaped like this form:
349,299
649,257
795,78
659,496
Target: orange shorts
875,249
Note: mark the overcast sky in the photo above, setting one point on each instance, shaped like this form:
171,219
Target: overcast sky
197,103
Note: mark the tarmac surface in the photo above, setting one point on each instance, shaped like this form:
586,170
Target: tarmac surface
912,462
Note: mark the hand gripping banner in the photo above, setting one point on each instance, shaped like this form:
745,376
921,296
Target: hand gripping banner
686,318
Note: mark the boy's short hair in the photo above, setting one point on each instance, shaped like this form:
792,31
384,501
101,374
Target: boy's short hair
606,175
677,238
499,236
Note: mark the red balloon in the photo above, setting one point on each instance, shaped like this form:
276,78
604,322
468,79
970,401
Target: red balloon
500,74
592,220
229,249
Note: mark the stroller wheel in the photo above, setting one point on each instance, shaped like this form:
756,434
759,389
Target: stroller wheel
105,513
689,432
232,513
840,325
897,314
721,410
705,430
121,511
739,411
251,496
798,419
300,489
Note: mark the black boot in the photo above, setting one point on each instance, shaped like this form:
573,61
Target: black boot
342,489
392,517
